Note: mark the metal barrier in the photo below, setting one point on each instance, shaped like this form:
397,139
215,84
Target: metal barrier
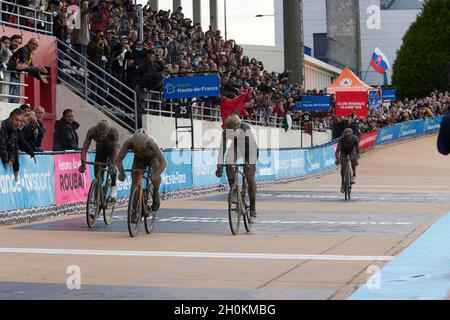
41,21
155,106
97,87
7,93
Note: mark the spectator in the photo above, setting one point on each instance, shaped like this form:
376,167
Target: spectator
34,132
14,90
65,136
98,51
22,60
82,36
10,139
118,54
5,53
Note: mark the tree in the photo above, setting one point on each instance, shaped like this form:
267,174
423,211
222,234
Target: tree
422,61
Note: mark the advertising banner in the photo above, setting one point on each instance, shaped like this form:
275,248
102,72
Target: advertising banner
367,140
432,124
328,158
298,162
192,87
410,129
204,165
388,134
314,161
389,94
35,187
282,163
178,174
71,186
265,168
313,103
349,102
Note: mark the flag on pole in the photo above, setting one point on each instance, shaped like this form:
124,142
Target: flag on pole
235,105
379,61
287,122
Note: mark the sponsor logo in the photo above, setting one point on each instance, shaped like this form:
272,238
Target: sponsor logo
175,178
386,137
346,82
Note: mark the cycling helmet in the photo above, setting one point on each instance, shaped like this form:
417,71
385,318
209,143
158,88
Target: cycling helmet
348,132
140,138
232,122
103,126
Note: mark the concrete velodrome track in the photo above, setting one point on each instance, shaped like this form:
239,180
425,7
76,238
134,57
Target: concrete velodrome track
308,242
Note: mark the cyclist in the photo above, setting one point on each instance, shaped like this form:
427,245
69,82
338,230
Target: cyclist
243,144
106,150
348,146
147,154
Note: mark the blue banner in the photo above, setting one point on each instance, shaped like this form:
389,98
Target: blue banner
178,174
410,129
373,101
328,157
388,134
36,185
432,124
313,103
389,95
204,165
192,87
265,169
314,161
298,162
282,163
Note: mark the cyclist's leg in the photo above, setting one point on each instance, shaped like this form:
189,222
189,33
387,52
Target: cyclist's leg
138,164
113,174
101,156
343,159
354,164
156,182
250,173
229,169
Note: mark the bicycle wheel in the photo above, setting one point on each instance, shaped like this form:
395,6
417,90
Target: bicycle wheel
349,188
93,204
134,212
347,184
111,205
234,215
149,221
246,204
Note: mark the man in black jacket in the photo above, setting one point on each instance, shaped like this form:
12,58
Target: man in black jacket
65,136
10,140
443,141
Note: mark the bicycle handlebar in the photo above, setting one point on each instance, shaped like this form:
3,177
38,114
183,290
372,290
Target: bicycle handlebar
101,164
138,171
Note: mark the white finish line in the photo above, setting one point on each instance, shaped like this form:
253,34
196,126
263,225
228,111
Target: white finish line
215,255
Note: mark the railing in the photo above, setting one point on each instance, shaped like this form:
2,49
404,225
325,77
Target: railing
10,90
154,105
97,87
41,21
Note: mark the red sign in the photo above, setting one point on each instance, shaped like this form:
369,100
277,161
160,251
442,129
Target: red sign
71,185
347,102
367,140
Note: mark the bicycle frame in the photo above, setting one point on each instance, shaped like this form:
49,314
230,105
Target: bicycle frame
141,176
103,167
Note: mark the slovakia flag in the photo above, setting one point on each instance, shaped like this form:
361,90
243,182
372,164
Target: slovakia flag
379,61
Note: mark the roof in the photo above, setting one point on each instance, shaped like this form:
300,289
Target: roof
348,81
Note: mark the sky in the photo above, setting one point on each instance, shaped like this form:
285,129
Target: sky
242,25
